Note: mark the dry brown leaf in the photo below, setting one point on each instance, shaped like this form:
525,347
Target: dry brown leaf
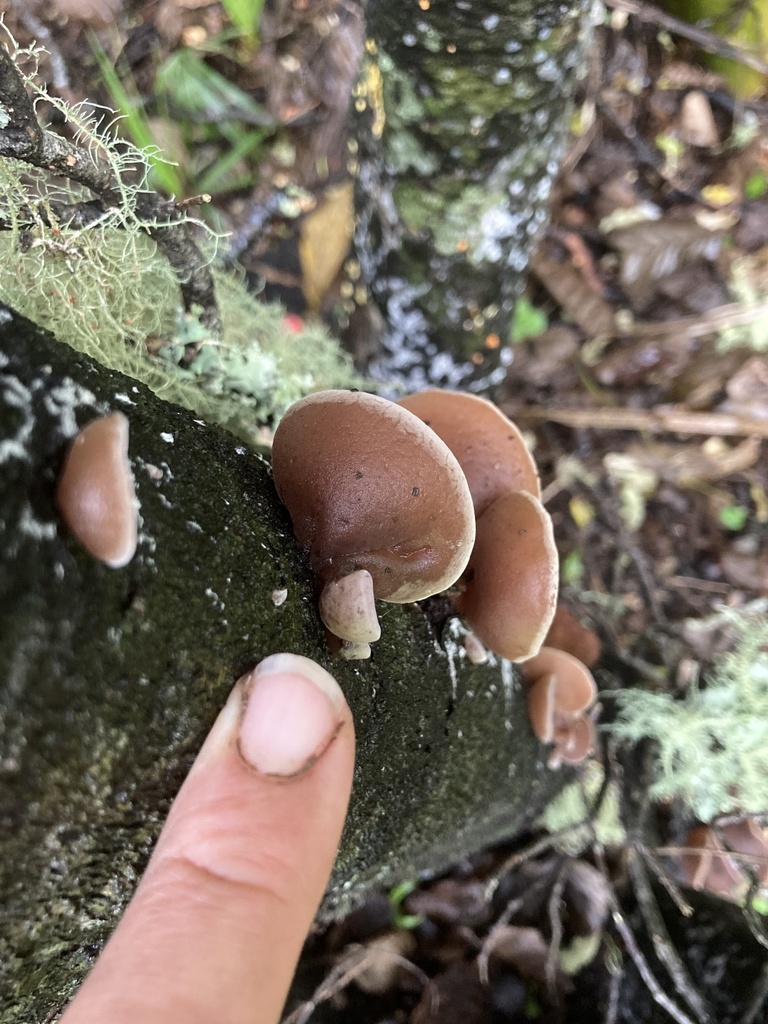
688,465
568,286
652,250
747,390
745,570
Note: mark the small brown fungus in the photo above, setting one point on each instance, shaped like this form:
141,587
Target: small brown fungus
95,492
510,588
560,692
568,634
370,487
708,865
489,447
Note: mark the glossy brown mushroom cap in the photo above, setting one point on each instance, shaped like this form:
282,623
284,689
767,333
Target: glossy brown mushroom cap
560,690
512,578
489,447
567,634
540,697
574,741
95,493
369,486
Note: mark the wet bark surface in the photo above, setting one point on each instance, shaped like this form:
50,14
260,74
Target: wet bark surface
111,678
459,123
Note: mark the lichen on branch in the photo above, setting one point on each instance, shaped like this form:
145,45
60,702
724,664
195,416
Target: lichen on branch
89,252
116,176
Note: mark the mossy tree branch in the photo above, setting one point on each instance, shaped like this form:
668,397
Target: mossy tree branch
23,138
111,678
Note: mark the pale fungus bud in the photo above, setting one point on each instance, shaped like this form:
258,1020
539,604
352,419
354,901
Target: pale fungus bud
95,492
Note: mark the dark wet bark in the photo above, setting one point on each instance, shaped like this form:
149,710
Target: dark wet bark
111,678
459,124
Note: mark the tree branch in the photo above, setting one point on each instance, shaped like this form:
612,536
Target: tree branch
23,138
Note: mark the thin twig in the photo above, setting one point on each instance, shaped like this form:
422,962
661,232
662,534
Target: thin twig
664,878
708,41
687,328
41,32
491,939
556,924
662,944
673,420
353,964
614,992
657,992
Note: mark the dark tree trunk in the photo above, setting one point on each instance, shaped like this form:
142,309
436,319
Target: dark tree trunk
110,678
460,119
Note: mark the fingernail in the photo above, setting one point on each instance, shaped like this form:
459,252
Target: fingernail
292,709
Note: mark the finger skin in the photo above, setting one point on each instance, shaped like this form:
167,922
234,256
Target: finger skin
217,923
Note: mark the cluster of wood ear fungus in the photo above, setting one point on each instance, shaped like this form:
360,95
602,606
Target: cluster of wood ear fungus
398,501
394,501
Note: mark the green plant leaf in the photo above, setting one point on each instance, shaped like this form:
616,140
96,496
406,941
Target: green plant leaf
187,80
528,321
245,15
135,123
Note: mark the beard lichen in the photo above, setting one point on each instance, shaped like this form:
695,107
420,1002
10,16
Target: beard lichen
711,746
89,272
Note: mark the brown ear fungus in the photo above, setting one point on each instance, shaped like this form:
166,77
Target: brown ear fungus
560,691
95,492
489,447
348,608
510,588
567,634
708,865
370,487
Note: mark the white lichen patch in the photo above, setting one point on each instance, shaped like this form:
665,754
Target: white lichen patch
62,398
509,684
214,598
18,396
31,527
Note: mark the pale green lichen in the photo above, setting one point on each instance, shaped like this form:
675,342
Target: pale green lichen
107,290
748,286
570,815
711,747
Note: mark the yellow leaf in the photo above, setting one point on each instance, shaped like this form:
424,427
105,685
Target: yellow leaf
324,244
581,511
